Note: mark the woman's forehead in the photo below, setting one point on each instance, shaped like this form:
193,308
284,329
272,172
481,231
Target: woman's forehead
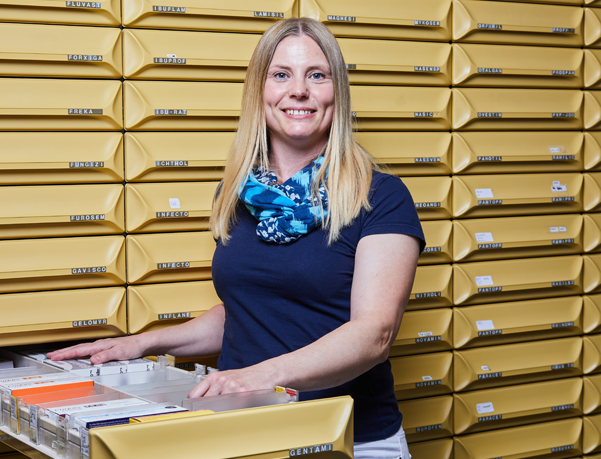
296,49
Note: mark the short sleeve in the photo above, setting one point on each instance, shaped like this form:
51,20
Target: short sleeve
393,209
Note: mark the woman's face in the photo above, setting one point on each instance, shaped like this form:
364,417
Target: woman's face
299,94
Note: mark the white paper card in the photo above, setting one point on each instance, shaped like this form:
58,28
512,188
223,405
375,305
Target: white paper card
554,229
171,55
174,203
425,334
557,187
563,229
558,149
484,237
485,408
85,442
13,408
483,281
485,325
485,368
484,193
427,378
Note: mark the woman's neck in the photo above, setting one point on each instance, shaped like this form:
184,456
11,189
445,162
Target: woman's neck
286,160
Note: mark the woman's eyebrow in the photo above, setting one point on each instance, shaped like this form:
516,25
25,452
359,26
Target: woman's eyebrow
323,68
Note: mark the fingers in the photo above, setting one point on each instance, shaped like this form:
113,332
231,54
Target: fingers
79,350
199,390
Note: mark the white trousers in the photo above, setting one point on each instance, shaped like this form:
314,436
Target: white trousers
394,447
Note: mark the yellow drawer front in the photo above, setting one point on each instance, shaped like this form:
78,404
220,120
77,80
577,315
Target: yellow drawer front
558,439
592,151
53,264
591,354
592,313
106,13
521,279
592,232
591,434
217,15
427,418
44,317
409,20
55,51
181,156
476,109
517,405
517,237
424,375
200,56
592,273
397,62
424,331
60,105
434,449
151,307
592,192
403,153
592,110
60,157
591,400
158,207
592,27
517,66
592,68
518,152
432,288
431,195
517,23
439,235
520,194
388,108
556,2
517,363
504,323
69,210
169,257
181,106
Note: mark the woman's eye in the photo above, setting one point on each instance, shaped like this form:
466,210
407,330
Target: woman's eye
280,75
318,76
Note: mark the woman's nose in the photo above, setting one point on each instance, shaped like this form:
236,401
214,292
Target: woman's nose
299,88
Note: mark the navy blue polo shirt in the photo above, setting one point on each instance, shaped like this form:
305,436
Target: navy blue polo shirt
281,297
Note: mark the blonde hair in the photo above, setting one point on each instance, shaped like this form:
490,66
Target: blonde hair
349,166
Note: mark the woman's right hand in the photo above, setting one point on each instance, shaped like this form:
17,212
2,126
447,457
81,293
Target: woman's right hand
104,350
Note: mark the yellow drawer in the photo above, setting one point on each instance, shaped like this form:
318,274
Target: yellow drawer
53,264
60,105
517,405
200,56
592,27
519,194
217,15
512,364
592,192
402,153
591,434
439,239
521,279
55,51
592,273
409,20
427,418
592,313
592,110
69,210
431,195
591,354
392,62
424,375
434,449
517,66
592,151
57,157
518,152
558,439
424,331
592,232
504,323
432,288
106,13
517,237
591,401
158,207
592,68
181,106
391,108
151,307
181,156
171,257
517,23
476,109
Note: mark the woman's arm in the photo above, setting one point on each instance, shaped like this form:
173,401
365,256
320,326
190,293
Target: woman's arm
200,336
384,271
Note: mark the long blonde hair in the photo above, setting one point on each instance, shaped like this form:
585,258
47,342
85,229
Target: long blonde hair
349,166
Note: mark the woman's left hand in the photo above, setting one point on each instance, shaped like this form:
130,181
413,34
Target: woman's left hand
228,382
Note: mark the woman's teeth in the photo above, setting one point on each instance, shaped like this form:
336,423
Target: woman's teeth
299,112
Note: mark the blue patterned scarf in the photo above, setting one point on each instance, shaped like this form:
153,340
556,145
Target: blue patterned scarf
287,211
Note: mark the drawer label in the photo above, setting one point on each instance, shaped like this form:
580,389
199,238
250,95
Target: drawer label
563,199
423,114
174,265
563,366
490,115
426,69
432,249
427,159
421,296
563,325
86,164
171,163
563,72
172,214
489,70
562,157
268,14
84,57
436,382
94,270
90,323
490,202
563,115
420,205
564,30
427,339
84,111
498,374
496,245
490,26
83,5
563,407
490,158
311,450
170,112
351,66
174,315
562,241
342,18
490,332
426,23
494,417
428,428
562,448
490,289
86,218
562,283
169,60
169,9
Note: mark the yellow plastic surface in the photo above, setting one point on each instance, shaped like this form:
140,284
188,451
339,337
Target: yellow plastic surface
477,109
423,375
106,13
592,27
424,331
434,449
511,364
520,279
592,68
592,313
592,273
431,195
504,323
592,151
519,194
432,288
169,257
519,152
439,235
592,110
591,401
591,354
517,237
149,206
60,105
200,56
43,317
151,307
181,106
511,406
409,20
427,418
591,434
592,192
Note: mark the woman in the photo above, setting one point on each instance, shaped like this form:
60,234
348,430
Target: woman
316,252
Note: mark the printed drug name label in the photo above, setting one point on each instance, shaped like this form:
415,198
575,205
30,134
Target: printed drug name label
483,281
485,325
484,193
484,237
487,407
